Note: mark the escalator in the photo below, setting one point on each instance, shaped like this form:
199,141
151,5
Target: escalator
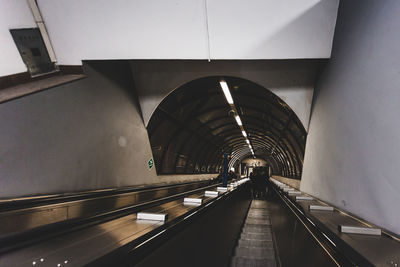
256,246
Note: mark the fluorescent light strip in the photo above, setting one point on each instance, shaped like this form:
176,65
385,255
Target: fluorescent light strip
244,133
247,141
238,120
226,91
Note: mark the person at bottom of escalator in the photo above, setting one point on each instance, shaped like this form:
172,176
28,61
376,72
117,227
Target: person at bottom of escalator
253,185
261,184
231,176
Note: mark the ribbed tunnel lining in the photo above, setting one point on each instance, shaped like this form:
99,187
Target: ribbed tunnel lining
192,128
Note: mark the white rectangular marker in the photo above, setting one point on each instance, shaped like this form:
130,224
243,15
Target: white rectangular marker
318,207
211,193
359,230
222,189
287,189
151,216
292,193
192,200
303,198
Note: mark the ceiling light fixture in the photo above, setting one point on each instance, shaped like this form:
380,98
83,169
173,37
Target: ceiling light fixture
226,91
244,133
238,120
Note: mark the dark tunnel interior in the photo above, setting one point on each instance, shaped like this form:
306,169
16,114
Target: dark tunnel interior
194,126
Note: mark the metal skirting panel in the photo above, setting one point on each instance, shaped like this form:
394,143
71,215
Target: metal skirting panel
20,220
120,241
349,240
295,245
207,241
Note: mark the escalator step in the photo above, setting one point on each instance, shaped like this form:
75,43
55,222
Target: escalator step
255,243
258,236
255,246
255,253
254,229
245,262
258,211
258,214
258,221
259,204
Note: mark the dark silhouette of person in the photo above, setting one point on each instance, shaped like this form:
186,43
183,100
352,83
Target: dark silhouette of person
260,177
253,181
231,175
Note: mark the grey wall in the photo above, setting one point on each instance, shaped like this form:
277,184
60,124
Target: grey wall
83,135
353,146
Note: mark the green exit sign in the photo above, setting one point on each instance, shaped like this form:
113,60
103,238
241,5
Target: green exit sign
150,164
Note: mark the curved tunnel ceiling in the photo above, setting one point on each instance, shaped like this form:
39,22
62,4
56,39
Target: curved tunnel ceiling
194,125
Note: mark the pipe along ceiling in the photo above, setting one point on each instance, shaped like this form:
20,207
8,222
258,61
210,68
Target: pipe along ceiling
195,125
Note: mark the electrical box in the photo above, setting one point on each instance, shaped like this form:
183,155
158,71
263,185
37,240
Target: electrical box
33,51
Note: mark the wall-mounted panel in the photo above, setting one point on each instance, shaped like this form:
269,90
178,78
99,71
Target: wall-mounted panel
13,14
33,50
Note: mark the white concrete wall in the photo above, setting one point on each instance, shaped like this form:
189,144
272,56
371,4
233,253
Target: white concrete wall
271,29
124,29
13,14
298,98
176,29
353,146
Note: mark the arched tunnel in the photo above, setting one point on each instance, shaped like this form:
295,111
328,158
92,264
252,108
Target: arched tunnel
194,126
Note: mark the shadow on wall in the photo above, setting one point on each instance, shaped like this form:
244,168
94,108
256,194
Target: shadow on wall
122,77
